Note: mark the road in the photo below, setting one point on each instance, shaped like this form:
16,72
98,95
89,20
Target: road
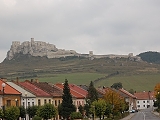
145,115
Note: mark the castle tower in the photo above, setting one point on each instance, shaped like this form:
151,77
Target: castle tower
32,41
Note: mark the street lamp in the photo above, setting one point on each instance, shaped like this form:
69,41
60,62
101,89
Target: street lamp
26,104
3,107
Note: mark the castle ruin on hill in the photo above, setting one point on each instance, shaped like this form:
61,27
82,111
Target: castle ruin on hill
39,48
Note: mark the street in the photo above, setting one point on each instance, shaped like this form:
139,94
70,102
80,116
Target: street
145,115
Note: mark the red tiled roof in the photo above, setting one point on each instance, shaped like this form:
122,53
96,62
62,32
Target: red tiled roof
144,95
8,89
73,92
51,89
127,93
34,89
78,89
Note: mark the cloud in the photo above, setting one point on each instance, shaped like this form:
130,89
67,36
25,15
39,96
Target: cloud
106,27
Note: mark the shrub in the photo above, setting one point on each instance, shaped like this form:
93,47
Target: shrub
36,118
76,115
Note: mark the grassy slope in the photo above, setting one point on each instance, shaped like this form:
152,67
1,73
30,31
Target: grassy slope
136,75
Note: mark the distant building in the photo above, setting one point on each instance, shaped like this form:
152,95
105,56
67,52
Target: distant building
144,99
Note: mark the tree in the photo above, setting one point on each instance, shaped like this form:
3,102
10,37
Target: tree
1,113
98,108
115,100
67,106
22,112
117,85
157,95
46,111
92,93
12,113
32,111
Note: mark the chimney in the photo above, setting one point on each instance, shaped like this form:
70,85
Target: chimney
37,81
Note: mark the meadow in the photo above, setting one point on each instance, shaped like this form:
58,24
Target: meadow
143,82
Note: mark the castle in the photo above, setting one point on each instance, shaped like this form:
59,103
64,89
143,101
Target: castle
39,48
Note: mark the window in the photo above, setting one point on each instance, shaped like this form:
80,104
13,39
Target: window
17,103
8,102
143,105
59,102
143,101
32,103
137,101
39,102
23,104
55,102
29,104
49,101
45,101
147,101
138,105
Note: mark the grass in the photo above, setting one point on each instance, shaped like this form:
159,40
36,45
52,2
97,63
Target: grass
145,82
76,78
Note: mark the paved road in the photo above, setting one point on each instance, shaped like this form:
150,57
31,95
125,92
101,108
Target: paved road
145,115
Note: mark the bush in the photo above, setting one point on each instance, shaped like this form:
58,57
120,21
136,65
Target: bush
76,115
36,118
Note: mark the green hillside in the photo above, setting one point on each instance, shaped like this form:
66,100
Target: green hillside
137,75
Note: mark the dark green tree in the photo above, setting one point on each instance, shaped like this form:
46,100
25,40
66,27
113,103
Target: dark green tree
12,113
47,111
32,111
117,85
92,93
22,112
81,109
67,106
1,113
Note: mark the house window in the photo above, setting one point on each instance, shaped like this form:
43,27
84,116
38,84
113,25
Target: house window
39,102
29,104
17,103
137,101
45,101
55,102
23,104
59,102
49,101
8,102
143,105
32,103
139,106
147,101
143,101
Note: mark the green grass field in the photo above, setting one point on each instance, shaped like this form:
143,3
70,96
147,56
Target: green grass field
143,82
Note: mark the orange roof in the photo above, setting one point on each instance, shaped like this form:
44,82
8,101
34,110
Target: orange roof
8,89
73,92
145,95
127,93
34,89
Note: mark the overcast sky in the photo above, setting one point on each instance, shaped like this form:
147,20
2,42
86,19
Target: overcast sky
101,26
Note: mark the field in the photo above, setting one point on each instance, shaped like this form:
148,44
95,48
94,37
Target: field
145,82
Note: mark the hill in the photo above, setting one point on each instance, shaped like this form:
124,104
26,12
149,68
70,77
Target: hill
150,57
81,70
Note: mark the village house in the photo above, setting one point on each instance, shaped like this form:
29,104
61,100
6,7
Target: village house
9,96
27,98
42,97
144,99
